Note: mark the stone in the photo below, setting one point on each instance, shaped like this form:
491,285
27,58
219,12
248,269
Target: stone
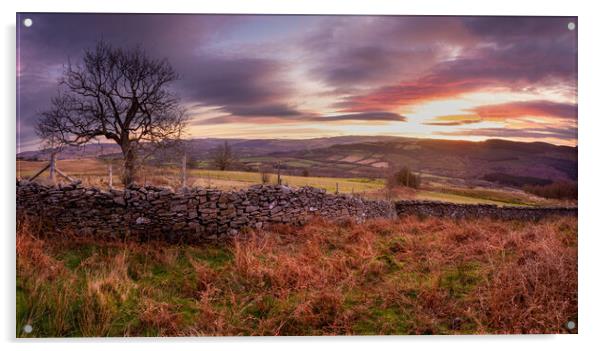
210,214
179,208
142,220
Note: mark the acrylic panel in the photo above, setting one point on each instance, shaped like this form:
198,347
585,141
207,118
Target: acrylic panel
230,175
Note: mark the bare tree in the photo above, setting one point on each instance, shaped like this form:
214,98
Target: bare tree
119,94
264,173
223,157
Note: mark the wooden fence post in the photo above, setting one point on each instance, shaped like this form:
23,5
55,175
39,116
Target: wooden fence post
110,176
51,175
337,191
184,171
279,180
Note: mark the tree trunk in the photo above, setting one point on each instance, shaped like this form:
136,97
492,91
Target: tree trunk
129,164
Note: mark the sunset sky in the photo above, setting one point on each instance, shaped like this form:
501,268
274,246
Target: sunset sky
471,78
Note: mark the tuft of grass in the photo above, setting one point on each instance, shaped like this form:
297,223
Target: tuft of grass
460,279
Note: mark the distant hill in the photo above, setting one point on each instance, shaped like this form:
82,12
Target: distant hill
202,148
73,152
507,162
493,160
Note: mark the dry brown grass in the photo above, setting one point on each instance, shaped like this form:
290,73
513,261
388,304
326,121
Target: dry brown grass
405,276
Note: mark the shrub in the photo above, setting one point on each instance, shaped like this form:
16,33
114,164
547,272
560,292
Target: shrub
404,177
265,175
563,190
223,157
514,180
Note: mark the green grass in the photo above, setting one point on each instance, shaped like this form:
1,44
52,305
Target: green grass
461,279
93,172
345,185
502,196
382,321
290,162
214,256
446,197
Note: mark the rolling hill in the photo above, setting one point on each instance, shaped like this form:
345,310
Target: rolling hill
507,162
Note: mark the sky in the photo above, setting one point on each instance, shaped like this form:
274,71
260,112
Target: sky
265,76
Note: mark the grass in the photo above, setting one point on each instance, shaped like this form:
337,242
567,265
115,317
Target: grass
514,197
449,197
345,185
94,173
403,276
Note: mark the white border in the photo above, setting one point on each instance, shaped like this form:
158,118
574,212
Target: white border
590,170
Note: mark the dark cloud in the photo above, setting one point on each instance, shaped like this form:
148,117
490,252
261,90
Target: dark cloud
513,61
263,110
380,50
237,84
54,39
512,28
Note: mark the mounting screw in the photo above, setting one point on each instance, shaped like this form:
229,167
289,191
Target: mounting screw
570,325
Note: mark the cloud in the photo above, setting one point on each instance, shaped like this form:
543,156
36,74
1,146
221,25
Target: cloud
263,69
300,118
518,28
539,108
263,111
513,61
454,120
568,134
365,116
54,39
246,85
380,49
509,111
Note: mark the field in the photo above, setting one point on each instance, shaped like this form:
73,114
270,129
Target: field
404,276
94,172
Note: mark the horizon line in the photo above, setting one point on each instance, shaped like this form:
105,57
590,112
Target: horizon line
575,146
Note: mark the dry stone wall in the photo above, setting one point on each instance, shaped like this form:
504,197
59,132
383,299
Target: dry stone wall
194,215
461,211
200,214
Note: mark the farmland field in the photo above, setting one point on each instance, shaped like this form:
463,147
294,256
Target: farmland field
404,276
94,172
